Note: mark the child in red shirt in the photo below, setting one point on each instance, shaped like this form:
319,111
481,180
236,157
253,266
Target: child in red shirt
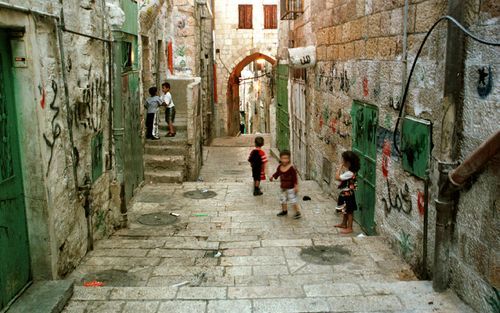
289,184
258,161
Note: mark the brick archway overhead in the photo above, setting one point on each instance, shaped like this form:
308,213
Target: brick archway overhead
247,60
233,91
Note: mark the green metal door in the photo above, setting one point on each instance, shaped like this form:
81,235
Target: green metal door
134,173
14,249
364,143
282,116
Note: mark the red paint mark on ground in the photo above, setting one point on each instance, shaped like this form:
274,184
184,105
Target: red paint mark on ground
321,122
365,87
42,101
93,283
386,156
421,203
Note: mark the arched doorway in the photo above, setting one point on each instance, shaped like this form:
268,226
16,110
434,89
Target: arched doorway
233,91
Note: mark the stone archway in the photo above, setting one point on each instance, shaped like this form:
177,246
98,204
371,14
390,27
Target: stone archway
233,91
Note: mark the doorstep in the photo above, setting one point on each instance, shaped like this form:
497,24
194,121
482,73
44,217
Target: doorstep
44,297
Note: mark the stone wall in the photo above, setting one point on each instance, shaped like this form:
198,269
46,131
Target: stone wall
57,130
361,57
235,44
474,255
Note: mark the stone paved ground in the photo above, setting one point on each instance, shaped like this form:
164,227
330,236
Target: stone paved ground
260,269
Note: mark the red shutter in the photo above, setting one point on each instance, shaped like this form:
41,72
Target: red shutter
249,17
241,16
245,16
270,16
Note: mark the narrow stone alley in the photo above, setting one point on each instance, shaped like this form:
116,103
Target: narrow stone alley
227,251
127,126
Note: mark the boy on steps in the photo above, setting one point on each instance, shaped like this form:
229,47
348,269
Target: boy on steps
258,161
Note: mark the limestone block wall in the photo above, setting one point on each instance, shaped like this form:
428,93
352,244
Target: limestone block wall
235,44
57,130
185,37
474,257
155,31
360,57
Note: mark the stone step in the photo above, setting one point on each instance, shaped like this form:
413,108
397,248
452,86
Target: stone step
178,127
179,140
164,176
44,296
413,296
164,150
164,162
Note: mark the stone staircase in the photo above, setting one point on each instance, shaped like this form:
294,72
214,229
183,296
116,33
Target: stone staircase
165,159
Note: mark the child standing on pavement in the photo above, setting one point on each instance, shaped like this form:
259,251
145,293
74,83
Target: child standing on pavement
346,176
152,105
258,161
170,110
289,184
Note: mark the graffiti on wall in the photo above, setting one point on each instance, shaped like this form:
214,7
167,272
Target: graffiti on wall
180,57
384,138
405,244
485,82
90,107
332,124
330,79
56,128
401,201
421,202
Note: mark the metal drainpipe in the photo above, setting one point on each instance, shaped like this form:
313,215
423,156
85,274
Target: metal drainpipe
451,129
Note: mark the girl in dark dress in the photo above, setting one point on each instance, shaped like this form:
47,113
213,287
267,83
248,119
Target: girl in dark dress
346,175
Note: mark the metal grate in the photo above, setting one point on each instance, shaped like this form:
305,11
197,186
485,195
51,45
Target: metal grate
200,194
291,9
157,219
325,255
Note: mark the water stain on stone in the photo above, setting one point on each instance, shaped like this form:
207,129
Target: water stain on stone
325,255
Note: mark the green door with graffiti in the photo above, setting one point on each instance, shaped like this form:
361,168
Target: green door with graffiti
282,116
14,248
364,143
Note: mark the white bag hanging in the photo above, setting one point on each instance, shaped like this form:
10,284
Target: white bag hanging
302,57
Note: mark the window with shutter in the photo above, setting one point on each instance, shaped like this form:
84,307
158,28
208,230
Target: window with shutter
245,16
270,16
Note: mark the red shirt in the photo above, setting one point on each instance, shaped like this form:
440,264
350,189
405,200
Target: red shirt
288,179
258,159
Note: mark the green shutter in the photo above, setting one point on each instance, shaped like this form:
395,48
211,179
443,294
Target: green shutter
416,146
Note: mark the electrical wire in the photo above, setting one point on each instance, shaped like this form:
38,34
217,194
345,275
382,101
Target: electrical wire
220,59
252,78
405,94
